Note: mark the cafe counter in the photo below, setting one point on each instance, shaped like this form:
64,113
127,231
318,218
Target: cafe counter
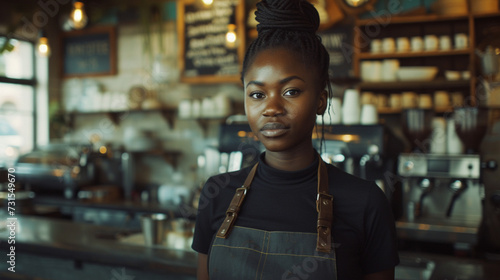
58,249
47,248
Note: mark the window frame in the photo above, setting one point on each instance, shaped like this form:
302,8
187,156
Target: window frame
33,83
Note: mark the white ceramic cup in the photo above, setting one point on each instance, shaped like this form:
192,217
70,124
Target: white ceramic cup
425,101
417,44
438,137
369,114
371,71
395,101
444,43
453,143
403,44
368,97
376,46
409,99
461,41
351,107
185,109
441,99
431,42
389,70
382,100
388,45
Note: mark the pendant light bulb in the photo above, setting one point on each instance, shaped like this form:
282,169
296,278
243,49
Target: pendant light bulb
208,2
78,18
231,36
43,48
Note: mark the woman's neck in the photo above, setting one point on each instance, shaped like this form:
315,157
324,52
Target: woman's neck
290,160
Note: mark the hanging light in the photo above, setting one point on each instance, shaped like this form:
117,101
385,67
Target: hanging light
231,37
207,2
78,18
43,48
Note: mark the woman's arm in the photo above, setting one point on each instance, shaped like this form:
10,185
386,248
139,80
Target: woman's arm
381,275
202,271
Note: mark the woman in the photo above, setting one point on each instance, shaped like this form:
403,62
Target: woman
291,216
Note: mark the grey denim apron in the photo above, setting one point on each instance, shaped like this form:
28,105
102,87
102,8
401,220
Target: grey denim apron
247,253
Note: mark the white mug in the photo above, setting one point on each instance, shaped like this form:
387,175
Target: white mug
461,41
441,99
369,114
417,44
376,46
389,69
351,107
431,42
403,44
388,45
444,43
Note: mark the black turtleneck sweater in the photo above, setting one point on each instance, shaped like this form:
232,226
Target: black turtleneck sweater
363,226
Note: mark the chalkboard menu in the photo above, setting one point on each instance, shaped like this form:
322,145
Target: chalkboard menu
205,55
338,41
89,52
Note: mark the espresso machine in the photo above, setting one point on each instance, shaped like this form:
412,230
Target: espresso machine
367,151
442,194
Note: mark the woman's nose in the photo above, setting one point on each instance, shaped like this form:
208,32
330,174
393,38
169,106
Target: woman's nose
274,106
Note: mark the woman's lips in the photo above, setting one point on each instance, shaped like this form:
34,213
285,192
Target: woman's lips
273,129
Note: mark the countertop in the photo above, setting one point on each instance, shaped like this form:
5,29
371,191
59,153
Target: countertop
87,242
92,243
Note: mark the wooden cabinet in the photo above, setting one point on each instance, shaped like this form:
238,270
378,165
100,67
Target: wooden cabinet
366,30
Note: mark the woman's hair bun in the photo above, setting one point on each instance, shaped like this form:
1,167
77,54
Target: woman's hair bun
294,15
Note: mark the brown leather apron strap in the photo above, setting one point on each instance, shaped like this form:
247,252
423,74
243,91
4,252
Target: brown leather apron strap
324,206
235,205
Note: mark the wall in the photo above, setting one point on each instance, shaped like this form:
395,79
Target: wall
110,93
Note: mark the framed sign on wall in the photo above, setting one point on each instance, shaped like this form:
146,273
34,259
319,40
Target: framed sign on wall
89,52
205,54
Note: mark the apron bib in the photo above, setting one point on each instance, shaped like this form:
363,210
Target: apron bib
247,253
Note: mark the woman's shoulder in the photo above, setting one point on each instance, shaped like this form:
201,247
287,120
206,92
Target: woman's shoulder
231,180
343,179
351,188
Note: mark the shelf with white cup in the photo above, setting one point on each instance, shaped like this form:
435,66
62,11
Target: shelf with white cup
389,110
117,116
396,54
434,84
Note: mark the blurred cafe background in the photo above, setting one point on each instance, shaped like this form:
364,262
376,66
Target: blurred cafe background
114,113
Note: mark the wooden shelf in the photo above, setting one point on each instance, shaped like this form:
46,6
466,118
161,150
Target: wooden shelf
389,111
367,55
412,19
434,84
117,116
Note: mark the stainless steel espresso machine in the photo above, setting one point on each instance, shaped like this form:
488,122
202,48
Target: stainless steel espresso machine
441,197
443,194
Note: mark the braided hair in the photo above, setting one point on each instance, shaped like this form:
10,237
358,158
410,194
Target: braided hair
291,24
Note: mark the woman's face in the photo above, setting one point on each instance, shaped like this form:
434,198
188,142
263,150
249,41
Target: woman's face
282,98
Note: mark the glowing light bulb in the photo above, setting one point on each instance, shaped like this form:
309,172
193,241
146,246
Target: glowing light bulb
78,18
43,47
231,36
207,2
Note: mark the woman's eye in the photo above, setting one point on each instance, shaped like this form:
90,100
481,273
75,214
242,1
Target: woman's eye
256,95
292,92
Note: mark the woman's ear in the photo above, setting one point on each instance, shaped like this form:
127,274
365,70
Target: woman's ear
323,102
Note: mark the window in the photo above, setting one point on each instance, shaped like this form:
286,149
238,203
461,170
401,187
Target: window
17,101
